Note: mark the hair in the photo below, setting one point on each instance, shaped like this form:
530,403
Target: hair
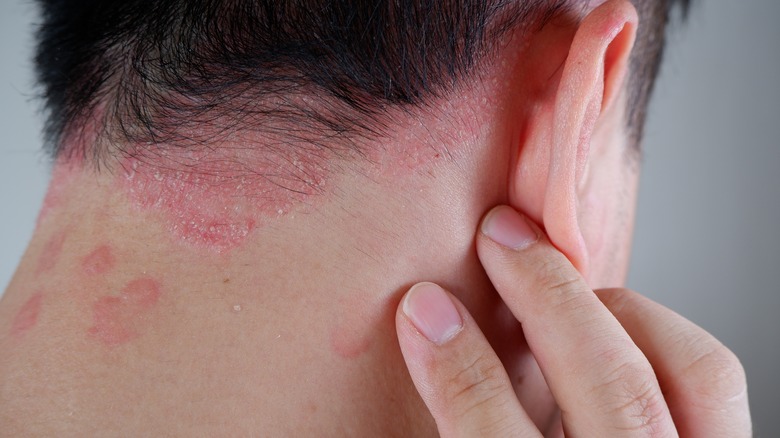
180,72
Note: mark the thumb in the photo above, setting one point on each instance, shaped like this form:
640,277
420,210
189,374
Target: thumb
454,368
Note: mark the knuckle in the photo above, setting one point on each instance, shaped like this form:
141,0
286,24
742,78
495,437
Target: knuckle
717,375
557,279
477,385
617,299
632,396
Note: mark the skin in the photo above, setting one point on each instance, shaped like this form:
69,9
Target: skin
289,328
617,363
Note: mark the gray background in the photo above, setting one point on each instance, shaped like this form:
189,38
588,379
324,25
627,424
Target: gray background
707,243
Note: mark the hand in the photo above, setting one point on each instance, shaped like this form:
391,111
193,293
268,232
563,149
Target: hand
616,363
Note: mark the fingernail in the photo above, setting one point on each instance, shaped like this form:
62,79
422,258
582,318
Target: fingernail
432,312
507,227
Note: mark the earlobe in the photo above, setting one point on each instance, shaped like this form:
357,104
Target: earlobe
558,140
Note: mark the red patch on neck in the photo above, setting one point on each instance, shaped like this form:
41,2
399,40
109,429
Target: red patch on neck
351,336
216,198
50,254
99,261
63,173
117,320
27,316
347,343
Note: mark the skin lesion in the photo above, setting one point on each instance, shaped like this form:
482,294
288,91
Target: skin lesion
216,198
50,255
99,261
27,316
117,320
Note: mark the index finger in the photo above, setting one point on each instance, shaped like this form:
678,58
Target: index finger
602,382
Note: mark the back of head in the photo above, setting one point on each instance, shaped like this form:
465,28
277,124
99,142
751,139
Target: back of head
136,76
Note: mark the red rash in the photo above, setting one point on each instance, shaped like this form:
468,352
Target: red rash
63,173
27,316
347,343
98,261
351,337
216,198
50,254
116,319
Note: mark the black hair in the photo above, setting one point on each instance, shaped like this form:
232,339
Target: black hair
158,71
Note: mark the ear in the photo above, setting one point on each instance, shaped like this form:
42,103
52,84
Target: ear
554,151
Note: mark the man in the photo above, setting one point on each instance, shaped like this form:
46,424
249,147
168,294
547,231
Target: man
245,193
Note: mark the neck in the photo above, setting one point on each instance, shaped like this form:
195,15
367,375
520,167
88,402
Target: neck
293,320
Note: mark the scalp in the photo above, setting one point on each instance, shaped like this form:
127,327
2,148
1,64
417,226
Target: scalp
187,72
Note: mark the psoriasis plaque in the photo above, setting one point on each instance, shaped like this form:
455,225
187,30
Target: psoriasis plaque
219,205
27,316
50,254
118,319
99,261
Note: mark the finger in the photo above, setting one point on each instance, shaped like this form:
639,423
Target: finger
600,379
704,383
457,373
